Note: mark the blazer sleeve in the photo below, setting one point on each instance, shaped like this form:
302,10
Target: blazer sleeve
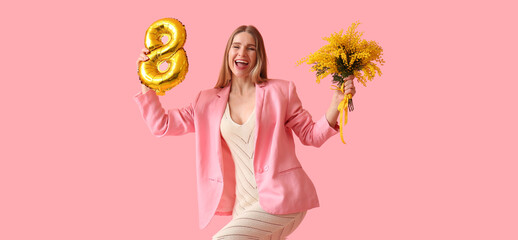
174,122
301,122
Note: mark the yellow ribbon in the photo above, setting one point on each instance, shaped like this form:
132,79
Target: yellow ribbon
343,109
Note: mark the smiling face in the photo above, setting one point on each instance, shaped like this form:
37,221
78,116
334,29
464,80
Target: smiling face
242,55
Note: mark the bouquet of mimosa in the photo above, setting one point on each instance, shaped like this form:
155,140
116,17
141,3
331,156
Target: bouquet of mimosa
345,55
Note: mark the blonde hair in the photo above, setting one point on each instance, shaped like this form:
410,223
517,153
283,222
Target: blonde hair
258,73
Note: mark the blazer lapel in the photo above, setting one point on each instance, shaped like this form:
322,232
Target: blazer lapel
221,103
219,108
259,99
223,94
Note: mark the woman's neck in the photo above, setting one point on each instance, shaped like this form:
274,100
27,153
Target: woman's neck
242,86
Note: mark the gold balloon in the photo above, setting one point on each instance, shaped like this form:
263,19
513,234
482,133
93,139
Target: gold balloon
171,52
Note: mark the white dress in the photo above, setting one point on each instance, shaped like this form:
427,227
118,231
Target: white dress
249,220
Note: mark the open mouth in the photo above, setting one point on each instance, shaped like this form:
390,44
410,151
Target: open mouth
241,63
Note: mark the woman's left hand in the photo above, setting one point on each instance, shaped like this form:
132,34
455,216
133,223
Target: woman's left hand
349,88
338,96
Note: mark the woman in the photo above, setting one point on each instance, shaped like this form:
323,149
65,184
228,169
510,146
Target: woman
245,152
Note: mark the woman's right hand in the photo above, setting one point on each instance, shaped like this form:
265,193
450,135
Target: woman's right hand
142,58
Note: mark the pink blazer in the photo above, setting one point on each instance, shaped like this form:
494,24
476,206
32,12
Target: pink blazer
282,184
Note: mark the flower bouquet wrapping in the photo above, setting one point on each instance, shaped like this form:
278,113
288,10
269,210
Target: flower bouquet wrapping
345,55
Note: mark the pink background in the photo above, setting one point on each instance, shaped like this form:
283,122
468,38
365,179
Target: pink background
431,150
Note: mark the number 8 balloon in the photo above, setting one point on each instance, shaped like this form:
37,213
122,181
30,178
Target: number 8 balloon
171,52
